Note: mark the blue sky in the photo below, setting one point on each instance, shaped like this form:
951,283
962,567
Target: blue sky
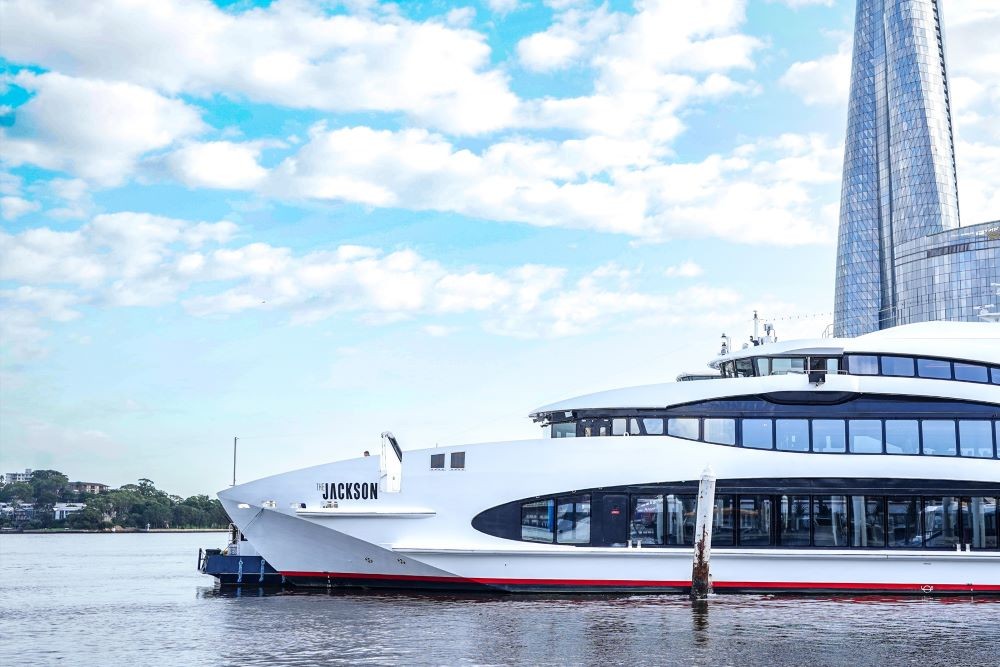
304,223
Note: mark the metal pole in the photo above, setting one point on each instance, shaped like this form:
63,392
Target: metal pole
234,460
701,576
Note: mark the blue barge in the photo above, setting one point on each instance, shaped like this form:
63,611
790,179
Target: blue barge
239,565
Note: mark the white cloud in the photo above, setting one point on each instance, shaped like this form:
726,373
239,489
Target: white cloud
826,80
574,32
217,164
95,129
12,208
503,7
290,53
687,269
796,4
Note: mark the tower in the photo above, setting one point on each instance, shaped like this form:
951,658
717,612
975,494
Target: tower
900,182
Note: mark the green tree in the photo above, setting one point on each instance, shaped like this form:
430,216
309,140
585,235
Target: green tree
89,518
48,487
17,491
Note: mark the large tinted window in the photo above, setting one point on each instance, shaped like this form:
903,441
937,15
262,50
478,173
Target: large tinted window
720,431
757,434
865,436
903,528
792,435
573,520
648,521
867,521
897,366
682,513
995,374
901,436
683,427
934,368
794,520
653,426
971,372
755,521
941,522
939,437
829,435
564,430
862,364
830,521
795,365
537,519
976,437
725,521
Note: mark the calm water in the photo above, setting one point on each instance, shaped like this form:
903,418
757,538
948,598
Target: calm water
137,600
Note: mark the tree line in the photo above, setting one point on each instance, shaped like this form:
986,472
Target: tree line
131,506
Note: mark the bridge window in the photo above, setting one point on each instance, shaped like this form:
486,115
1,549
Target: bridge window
934,368
564,430
971,372
573,520
792,435
901,436
537,521
976,437
782,365
829,435
763,365
757,433
939,437
618,426
720,431
683,427
865,436
900,366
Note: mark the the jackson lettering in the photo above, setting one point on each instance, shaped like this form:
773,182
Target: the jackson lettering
350,490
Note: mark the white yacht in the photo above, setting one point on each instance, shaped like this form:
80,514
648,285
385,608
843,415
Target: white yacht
844,465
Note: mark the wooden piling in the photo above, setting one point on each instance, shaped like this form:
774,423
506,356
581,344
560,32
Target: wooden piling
701,576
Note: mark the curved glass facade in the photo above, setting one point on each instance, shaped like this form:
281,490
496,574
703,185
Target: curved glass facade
899,199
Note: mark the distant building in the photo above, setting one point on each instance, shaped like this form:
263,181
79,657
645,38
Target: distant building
86,487
12,477
62,511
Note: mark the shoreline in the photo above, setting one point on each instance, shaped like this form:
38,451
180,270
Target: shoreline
131,531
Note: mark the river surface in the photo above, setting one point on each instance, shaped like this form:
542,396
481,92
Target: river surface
136,599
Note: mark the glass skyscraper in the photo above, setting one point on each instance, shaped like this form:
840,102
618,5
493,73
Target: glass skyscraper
902,256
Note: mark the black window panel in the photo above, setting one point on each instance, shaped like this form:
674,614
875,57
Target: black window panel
934,368
610,519
437,461
648,520
457,460
868,529
971,372
725,521
537,521
794,521
855,406
940,522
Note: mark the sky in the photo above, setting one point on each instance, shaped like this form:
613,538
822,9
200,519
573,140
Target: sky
303,223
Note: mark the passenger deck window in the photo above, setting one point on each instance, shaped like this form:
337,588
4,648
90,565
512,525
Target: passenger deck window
682,511
794,520
865,436
901,436
758,434
862,364
755,521
536,521
792,435
939,437
899,366
780,366
976,438
720,431
830,527
934,368
904,522
867,522
995,373
941,522
653,426
829,436
971,372
573,520
647,525
683,427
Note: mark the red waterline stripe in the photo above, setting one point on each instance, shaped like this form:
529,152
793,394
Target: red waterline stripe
635,583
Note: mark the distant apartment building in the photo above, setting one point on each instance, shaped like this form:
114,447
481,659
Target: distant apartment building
86,487
13,477
61,511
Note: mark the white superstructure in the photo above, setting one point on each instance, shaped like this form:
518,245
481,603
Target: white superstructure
866,464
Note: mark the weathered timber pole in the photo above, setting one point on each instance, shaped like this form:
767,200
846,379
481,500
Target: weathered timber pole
701,576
